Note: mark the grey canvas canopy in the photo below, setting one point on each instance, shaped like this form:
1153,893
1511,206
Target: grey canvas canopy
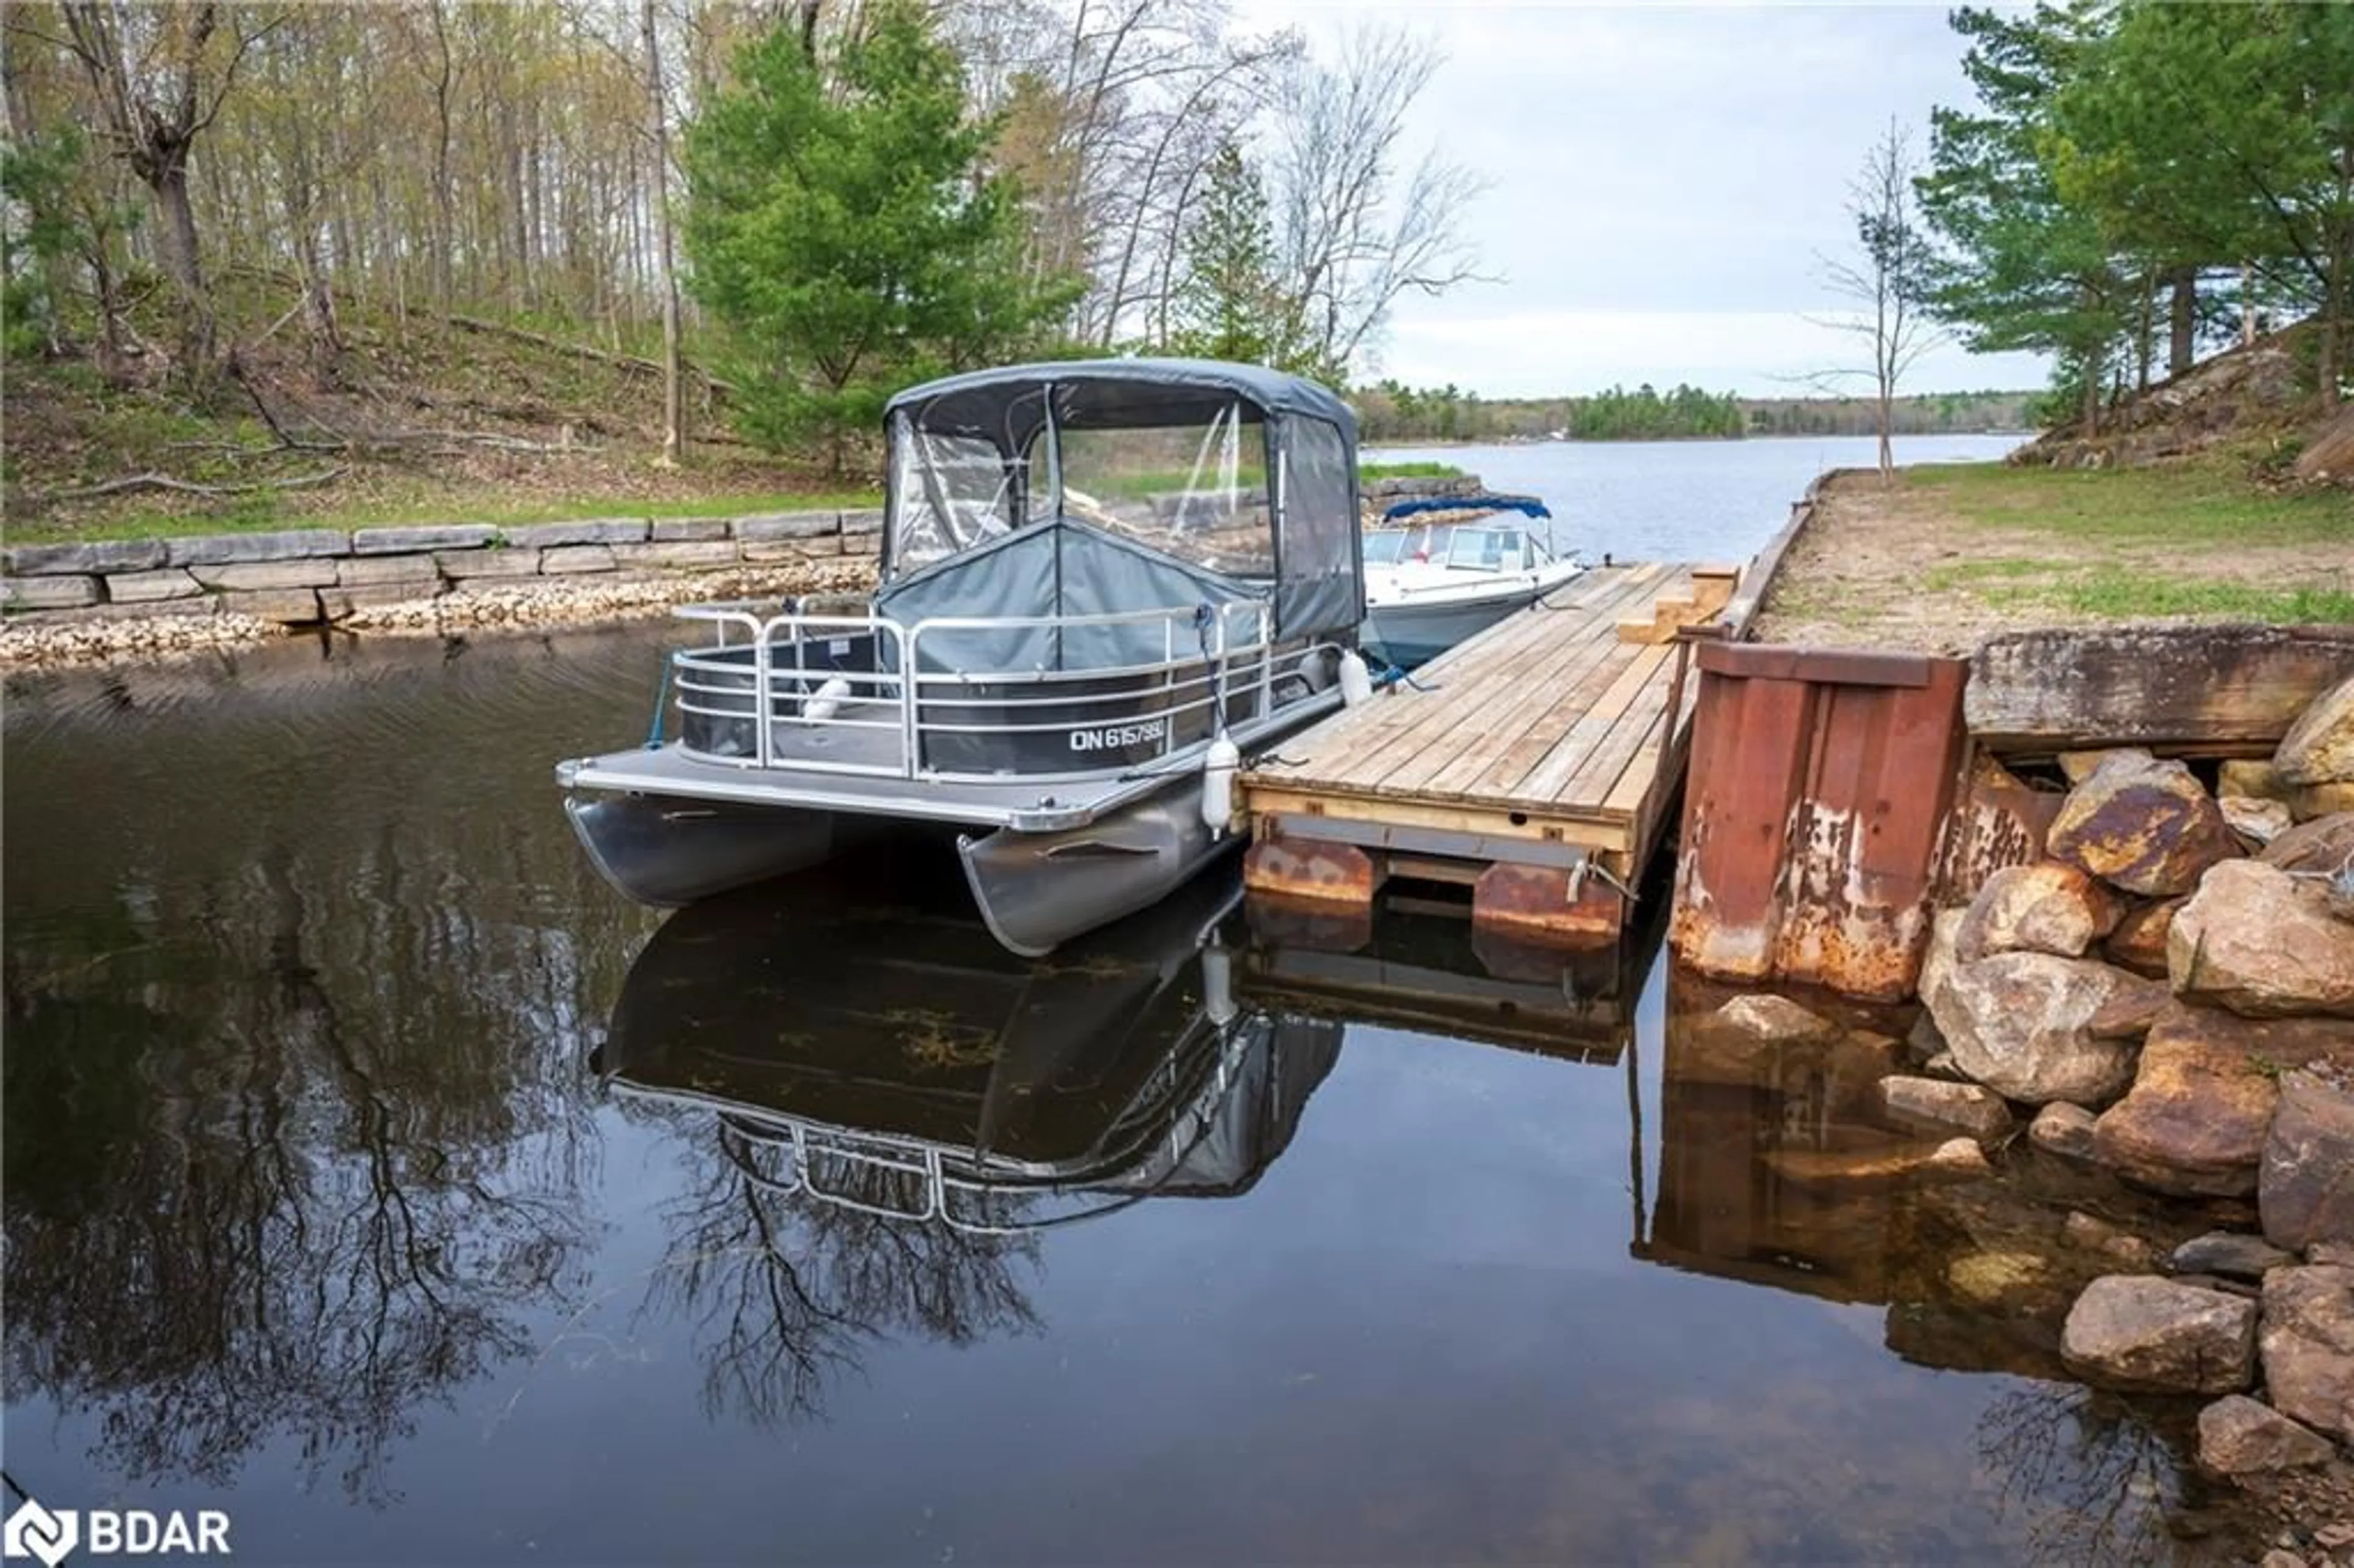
1121,448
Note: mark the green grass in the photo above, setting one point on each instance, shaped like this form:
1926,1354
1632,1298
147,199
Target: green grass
2114,593
263,512
1421,469
2202,504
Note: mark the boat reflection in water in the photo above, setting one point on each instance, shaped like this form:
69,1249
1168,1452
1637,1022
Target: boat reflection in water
894,1060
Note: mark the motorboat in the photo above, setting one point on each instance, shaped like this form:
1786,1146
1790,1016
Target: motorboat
926,1076
1102,585
1438,570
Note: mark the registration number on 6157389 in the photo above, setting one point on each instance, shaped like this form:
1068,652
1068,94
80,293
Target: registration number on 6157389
1117,736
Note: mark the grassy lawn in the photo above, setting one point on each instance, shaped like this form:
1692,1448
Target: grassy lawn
2188,506
1420,469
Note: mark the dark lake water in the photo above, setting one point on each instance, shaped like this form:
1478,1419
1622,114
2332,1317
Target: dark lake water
376,1174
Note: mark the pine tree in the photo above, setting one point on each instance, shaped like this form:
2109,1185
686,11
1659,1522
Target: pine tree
1228,306
843,227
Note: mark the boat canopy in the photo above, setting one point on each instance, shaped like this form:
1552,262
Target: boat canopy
1235,471
1529,505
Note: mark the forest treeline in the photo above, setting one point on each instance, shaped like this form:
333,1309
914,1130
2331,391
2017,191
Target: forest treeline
1390,412
2135,179
811,202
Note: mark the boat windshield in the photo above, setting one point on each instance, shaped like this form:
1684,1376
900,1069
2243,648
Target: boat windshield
1196,491
1388,547
1193,484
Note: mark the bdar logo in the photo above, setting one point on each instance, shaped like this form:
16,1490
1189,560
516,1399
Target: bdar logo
34,1531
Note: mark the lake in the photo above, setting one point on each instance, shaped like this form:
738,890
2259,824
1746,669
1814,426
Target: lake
376,1175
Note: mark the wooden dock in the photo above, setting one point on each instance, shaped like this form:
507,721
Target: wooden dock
1536,763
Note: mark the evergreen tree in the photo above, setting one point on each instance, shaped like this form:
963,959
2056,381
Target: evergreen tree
2027,269
844,228
1228,306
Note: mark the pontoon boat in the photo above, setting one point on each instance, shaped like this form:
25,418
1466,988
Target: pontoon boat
1103,583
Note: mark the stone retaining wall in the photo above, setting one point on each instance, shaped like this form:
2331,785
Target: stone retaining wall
131,597
313,575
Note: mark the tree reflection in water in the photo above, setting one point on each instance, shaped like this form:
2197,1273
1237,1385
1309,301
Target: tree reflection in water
281,1162
2093,1473
785,1290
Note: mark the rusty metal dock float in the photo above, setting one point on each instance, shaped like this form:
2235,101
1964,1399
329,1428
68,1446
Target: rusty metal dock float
1535,762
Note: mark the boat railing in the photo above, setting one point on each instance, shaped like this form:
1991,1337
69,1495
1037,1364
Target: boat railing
895,1176
850,693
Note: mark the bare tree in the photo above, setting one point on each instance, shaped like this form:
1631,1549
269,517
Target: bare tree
1352,242
1885,282
665,266
149,70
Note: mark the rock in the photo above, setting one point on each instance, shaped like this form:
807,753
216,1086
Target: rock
1775,1019
106,557
2046,907
1960,1158
302,572
565,559
2250,780
2131,1009
2279,1557
581,530
2258,821
1943,1066
219,549
2329,454
431,536
1938,961
417,572
1922,1041
2090,1234
458,565
2311,802
2325,844
2320,746
2139,943
2263,943
775,526
2195,1121
2143,825
2305,1185
2308,1347
2063,1129
2240,1436
1990,1279
676,558
1872,1169
47,592
689,530
868,520
1931,1104
2078,766
2018,1022
2338,1253
2138,1332
2228,1253
151,587
286,605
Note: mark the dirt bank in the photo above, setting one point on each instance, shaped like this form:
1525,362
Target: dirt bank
1953,555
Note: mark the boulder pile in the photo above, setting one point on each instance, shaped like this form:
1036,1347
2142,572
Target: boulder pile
2168,995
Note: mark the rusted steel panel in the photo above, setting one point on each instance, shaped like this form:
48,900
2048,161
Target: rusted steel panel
1821,783
1999,821
1313,869
1546,905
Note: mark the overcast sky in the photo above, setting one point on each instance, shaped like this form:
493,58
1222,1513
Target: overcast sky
1662,180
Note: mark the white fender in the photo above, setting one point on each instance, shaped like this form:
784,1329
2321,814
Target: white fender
827,701
1356,681
1218,784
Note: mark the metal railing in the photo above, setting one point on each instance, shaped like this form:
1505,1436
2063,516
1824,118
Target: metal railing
772,682
1143,1149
